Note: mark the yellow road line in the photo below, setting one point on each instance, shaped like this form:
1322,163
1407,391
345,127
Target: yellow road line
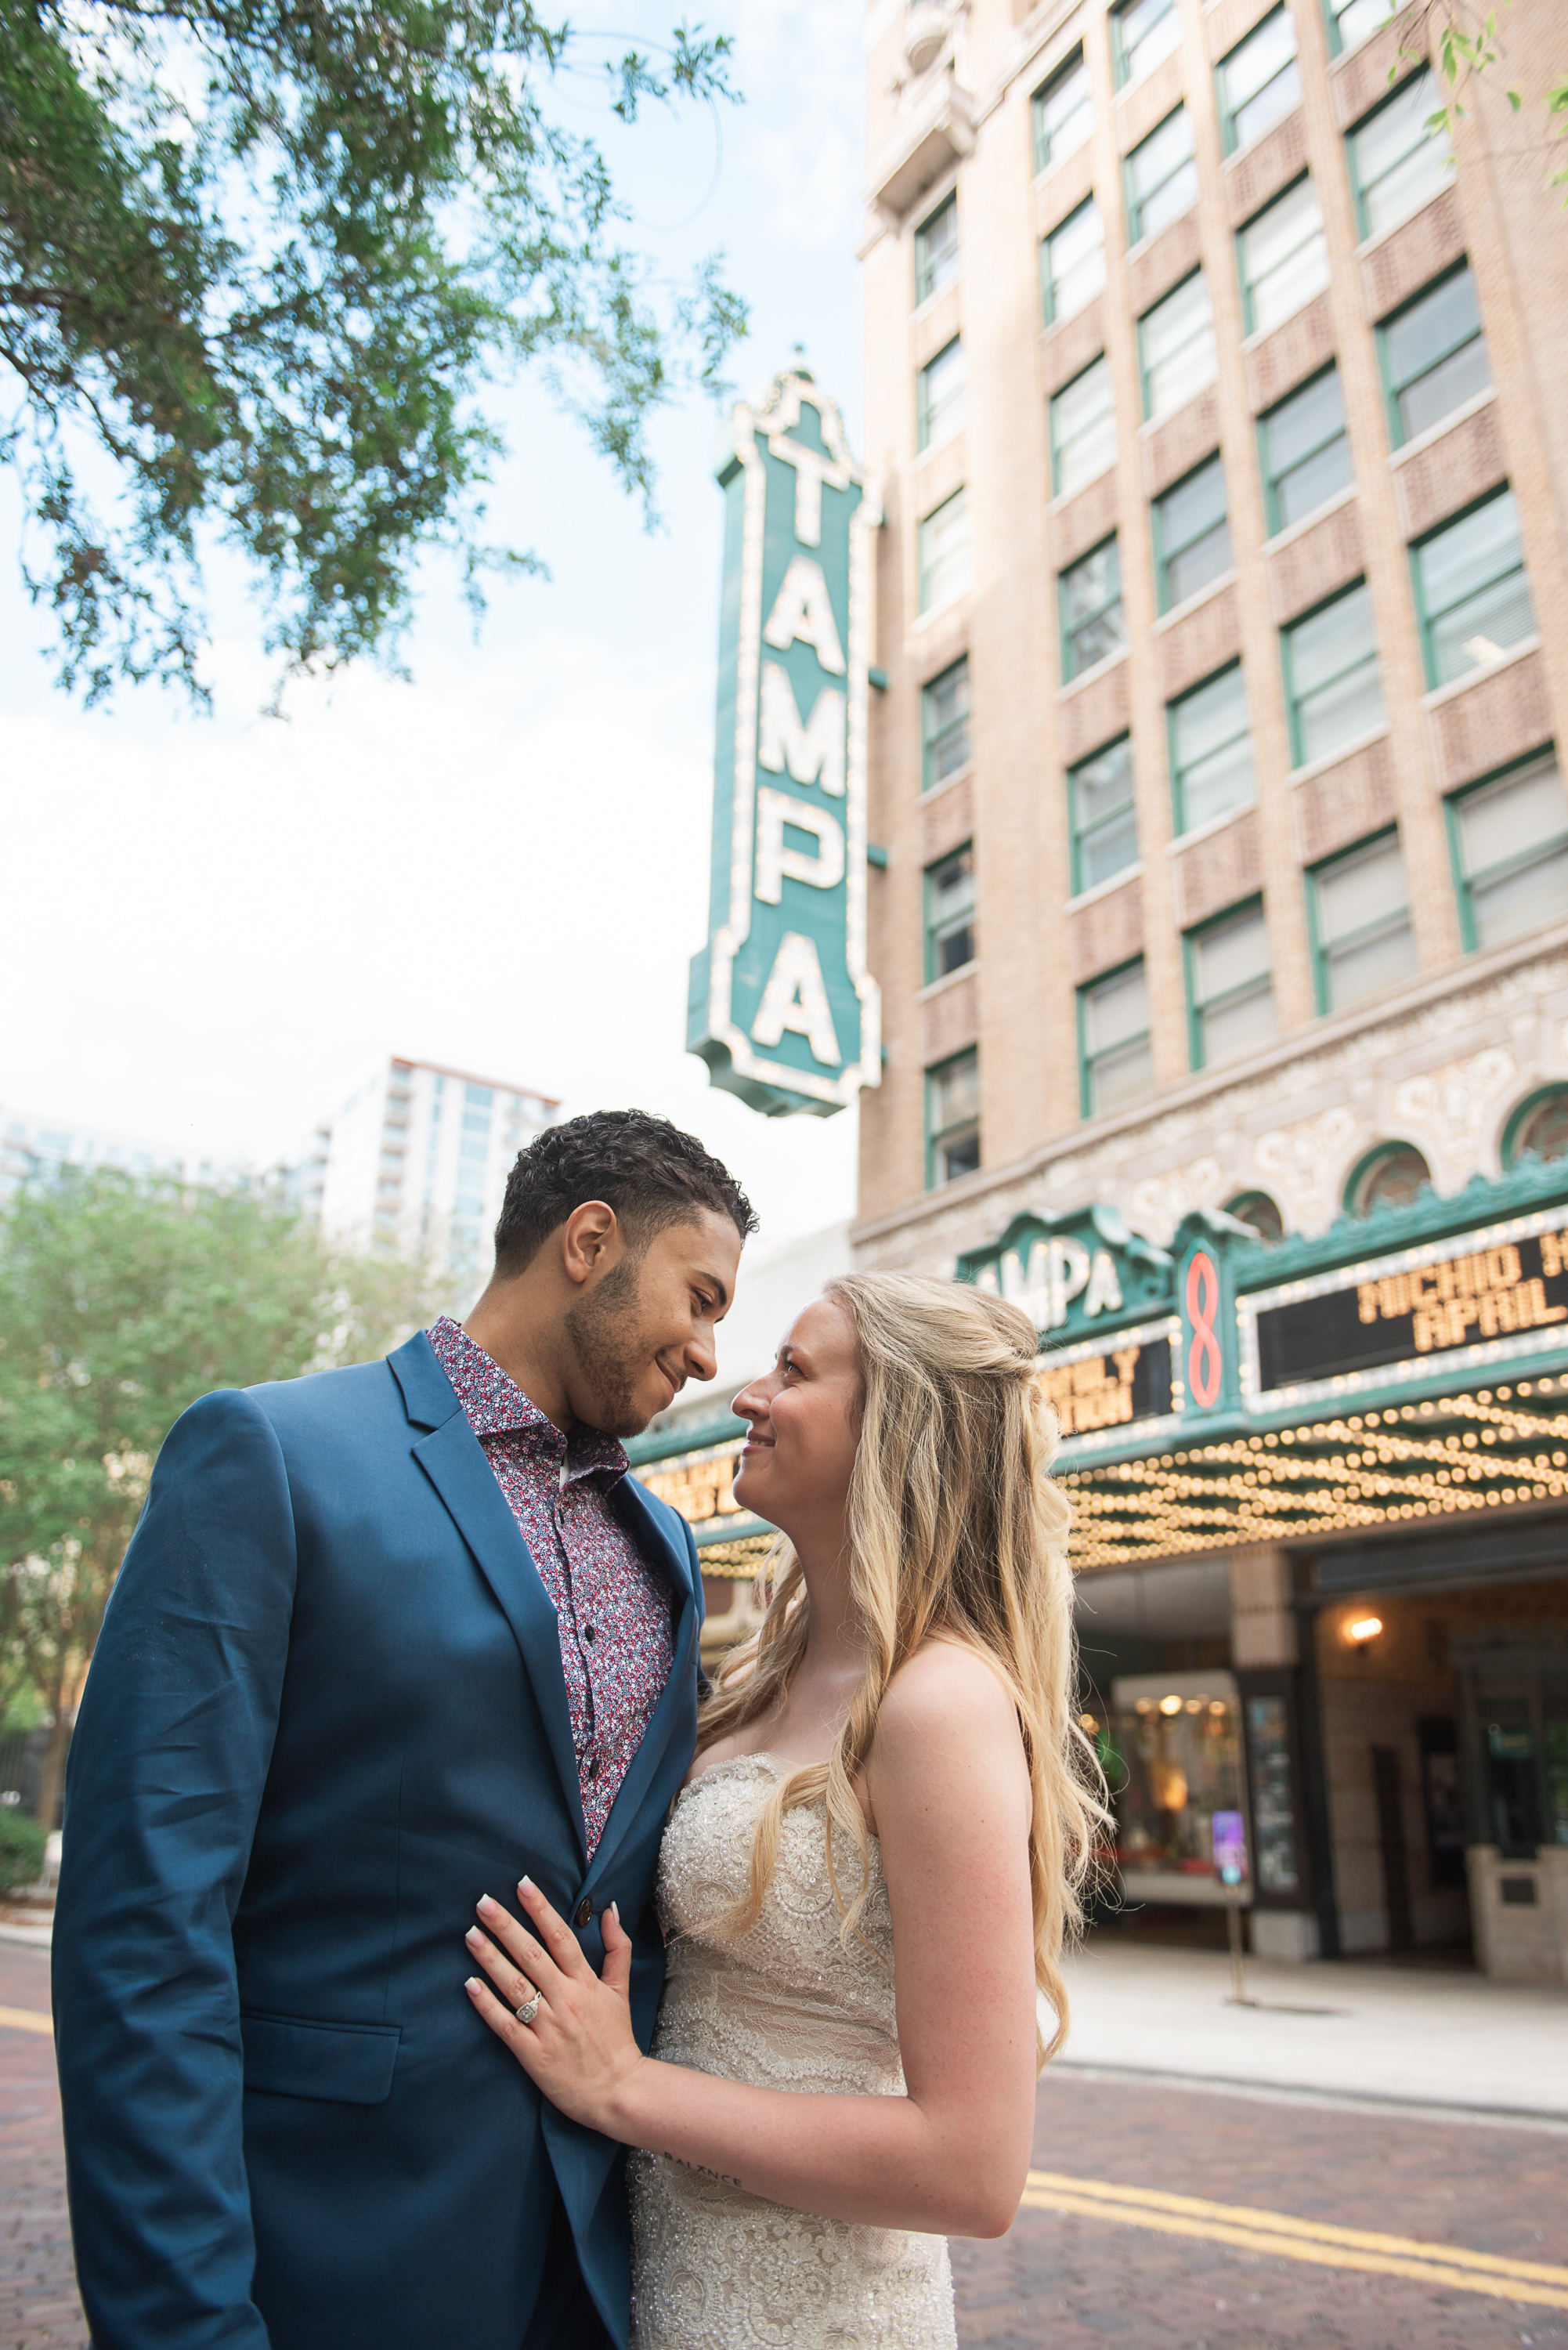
1281,2236
24,2019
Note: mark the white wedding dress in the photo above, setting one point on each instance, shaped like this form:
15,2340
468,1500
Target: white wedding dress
785,2006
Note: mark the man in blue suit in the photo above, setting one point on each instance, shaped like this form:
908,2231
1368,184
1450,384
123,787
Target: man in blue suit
386,1639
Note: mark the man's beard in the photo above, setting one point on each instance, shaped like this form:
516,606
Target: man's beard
604,1329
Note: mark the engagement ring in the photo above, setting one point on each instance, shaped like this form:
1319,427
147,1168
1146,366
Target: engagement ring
529,2010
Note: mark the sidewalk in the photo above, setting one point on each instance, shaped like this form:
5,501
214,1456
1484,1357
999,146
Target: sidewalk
1393,2036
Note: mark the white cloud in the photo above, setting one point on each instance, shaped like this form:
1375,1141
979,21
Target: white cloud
218,935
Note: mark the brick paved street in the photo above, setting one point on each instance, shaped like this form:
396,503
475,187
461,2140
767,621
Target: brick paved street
1075,2283
1057,2281
38,2305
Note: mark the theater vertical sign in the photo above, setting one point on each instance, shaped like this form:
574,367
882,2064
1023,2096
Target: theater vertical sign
782,1006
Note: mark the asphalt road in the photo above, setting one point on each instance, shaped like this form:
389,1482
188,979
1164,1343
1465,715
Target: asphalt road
1156,2215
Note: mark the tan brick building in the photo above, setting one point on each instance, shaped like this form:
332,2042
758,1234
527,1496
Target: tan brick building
1220,411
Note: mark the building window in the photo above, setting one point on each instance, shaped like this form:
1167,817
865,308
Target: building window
1257,1210
938,405
944,726
950,913
1510,840
1392,1176
952,1119
1114,1058
1162,177
937,251
1539,1128
1360,909
1398,161
1472,593
1064,113
1175,346
1082,428
1101,816
1434,355
1259,82
1142,32
1334,680
1073,262
1284,258
1305,451
1210,751
1230,987
942,551
1093,625
1351,22
1191,535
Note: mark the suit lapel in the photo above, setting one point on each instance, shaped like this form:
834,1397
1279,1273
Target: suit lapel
674,1717
454,1460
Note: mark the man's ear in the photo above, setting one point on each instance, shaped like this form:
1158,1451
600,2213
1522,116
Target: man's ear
591,1242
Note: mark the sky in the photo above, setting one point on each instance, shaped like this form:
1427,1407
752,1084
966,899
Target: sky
217,927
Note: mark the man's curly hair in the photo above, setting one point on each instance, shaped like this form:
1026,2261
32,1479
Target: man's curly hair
648,1171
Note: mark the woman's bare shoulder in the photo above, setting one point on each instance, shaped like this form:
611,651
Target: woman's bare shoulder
951,1696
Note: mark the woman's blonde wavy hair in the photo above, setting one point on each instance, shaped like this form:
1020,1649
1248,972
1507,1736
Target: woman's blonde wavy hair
956,1529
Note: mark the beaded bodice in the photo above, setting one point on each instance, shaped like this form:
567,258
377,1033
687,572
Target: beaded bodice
786,2006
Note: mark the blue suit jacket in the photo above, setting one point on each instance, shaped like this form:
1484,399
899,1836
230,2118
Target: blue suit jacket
325,1714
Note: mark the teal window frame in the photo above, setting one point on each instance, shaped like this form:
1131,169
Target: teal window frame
930,422
1518,1118
1181,819
1293,700
926,571
1272,474
1081,834
1360,187
1048,148
1206,329
936,1136
1249,282
1049,281
927,281
1184,169
1167,551
1322,948
1464,881
1197,1008
1335,13
1087,1063
934,739
1396,387
1098,612
1061,444
941,927
1430,620
1123,60
1290,66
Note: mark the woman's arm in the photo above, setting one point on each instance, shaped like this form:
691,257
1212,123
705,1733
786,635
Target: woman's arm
949,1794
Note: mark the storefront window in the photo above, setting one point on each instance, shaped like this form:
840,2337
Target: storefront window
1179,1748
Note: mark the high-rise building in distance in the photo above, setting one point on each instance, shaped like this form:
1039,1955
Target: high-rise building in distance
417,1160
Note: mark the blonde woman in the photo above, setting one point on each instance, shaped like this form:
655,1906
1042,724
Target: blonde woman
893,1766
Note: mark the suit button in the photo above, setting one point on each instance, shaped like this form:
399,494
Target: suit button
584,1914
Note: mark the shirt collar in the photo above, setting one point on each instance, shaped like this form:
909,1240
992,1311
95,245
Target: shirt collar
496,1406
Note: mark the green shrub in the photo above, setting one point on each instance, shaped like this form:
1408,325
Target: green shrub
21,1850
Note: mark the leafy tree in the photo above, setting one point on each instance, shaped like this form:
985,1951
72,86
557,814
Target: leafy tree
119,1304
1466,47
259,260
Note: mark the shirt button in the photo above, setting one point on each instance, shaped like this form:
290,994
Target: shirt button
584,1914
588,1631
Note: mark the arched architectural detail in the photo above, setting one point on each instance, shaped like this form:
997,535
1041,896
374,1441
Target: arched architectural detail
1538,1124
1392,1174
